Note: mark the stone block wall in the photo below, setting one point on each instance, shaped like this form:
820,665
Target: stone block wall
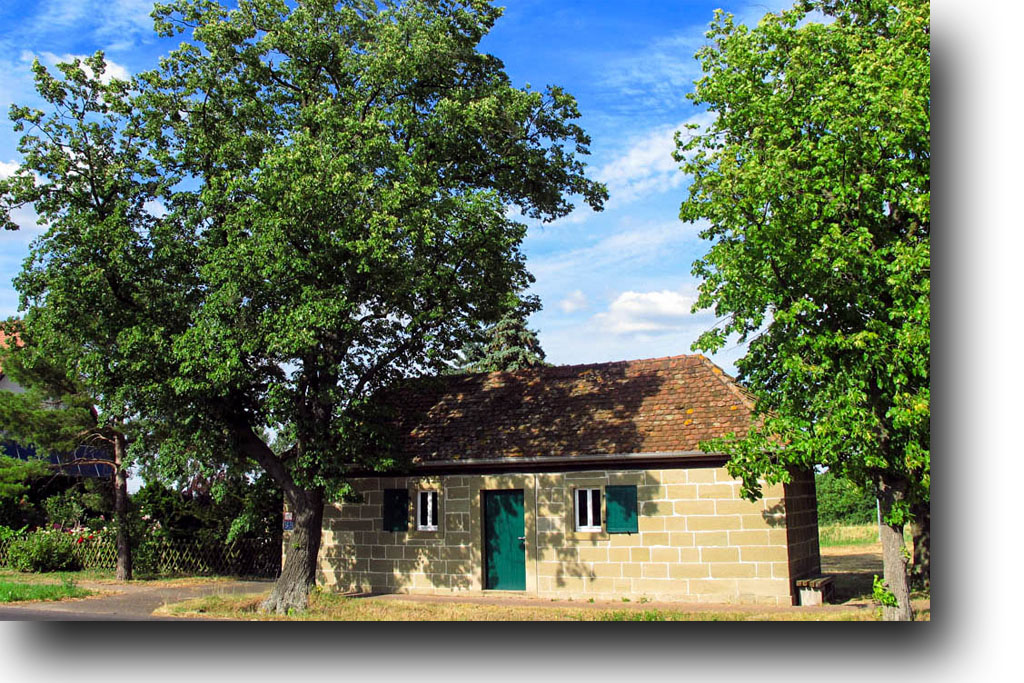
697,540
802,525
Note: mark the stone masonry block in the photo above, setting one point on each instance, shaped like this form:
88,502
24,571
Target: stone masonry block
610,570
694,507
737,507
651,508
764,554
703,475
645,493
722,589
669,476
688,570
762,587
750,537
640,555
706,538
760,521
705,491
712,522
651,524
618,554
720,554
655,570
682,492
631,569
653,538
665,554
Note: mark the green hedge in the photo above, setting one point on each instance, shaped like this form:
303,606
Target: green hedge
840,502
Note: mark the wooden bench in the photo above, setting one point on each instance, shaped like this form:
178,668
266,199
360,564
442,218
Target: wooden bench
817,590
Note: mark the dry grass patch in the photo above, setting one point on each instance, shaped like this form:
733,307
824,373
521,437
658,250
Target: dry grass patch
838,535
332,607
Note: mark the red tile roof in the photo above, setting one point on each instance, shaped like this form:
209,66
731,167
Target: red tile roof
4,343
643,406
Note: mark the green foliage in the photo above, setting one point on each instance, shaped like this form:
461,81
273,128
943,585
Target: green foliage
13,591
50,413
300,205
332,181
506,346
219,511
87,503
17,479
881,593
813,188
842,502
16,476
44,550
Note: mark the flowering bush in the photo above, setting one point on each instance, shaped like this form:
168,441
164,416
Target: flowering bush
44,550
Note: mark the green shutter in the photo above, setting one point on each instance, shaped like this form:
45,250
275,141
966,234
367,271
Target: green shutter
396,510
621,515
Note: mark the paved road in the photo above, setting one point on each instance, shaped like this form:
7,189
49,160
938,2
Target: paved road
131,603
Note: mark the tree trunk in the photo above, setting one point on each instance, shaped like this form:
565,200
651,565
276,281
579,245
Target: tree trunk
302,545
124,546
921,530
894,558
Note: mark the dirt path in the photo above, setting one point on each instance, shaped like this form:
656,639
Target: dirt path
124,601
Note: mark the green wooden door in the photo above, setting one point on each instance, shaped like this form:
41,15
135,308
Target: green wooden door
504,540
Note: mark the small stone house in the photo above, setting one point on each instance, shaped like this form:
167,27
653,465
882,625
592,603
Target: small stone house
578,482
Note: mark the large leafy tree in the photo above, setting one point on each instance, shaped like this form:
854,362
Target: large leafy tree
317,205
813,183
55,413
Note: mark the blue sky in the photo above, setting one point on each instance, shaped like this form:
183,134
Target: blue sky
615,285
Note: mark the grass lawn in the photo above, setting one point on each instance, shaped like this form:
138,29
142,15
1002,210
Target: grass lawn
32,588
108,576
852,554
835,535
333,607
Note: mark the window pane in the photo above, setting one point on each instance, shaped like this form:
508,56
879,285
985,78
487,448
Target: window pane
432,501
595,507
581,508
424,498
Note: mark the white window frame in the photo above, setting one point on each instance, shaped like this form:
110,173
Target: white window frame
433,502
592,509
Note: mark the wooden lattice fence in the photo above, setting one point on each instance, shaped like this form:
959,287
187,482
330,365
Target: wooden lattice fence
246,557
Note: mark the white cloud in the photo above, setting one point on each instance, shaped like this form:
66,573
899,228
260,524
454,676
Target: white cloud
576,301
647,166
113,70
7,169
122,21
657,78
646,312
155,208
623,251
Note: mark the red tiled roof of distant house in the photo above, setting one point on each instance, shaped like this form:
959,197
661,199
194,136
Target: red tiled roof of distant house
658,405
3,343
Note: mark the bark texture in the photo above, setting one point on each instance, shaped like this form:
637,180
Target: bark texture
921,530
894,558
298,575
124,546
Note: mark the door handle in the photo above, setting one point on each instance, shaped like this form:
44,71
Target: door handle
522,538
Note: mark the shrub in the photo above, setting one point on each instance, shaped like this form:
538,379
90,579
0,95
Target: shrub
840,502
44,551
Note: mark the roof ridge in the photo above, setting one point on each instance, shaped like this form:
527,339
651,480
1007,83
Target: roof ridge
577,366
745,396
